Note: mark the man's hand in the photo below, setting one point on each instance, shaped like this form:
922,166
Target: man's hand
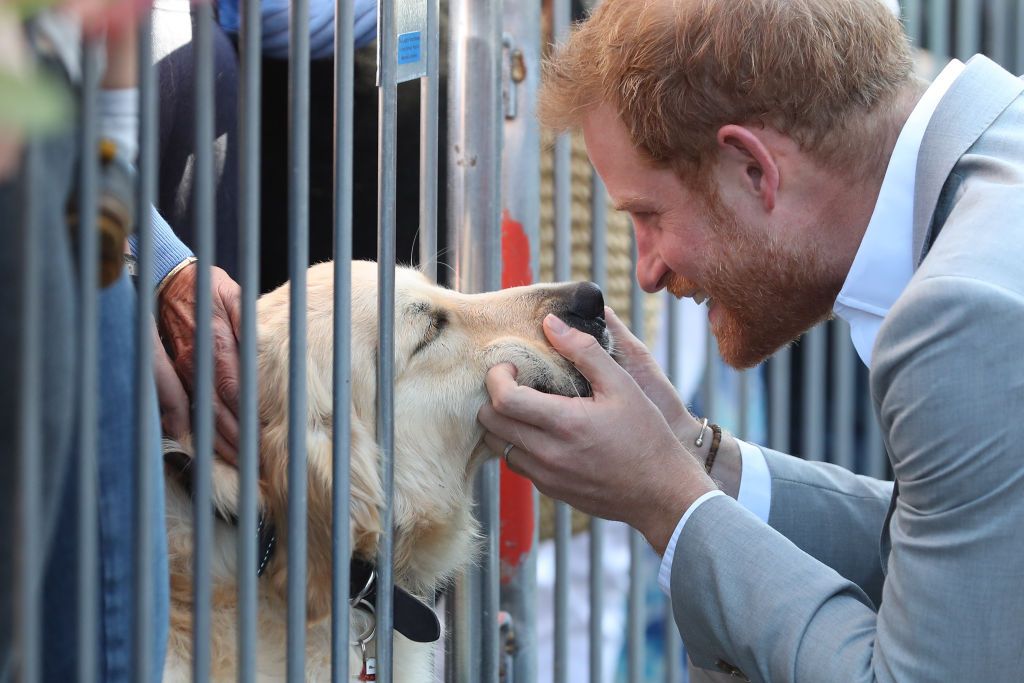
177,311
636,359
612,455
171,396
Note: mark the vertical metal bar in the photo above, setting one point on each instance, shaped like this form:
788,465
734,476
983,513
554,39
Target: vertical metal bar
145,395
743,428
203,388
876,460
341,428
1019,32
386,227
1000,21
250,60
88,362
520,189
27,579
938,29
599,270
429,86
709,391
912,20
562,14
475,131
637,544
298,261
843,394
813,399
673,643
778,405
968,28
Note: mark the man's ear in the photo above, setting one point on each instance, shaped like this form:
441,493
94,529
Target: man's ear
749,162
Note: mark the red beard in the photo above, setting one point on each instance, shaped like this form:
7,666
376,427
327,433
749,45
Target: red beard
765,294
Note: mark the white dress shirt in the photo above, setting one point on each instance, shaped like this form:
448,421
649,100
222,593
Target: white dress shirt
881,269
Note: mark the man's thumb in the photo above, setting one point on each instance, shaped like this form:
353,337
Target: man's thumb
582,350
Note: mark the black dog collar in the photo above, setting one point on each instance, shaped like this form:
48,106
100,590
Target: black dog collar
413,619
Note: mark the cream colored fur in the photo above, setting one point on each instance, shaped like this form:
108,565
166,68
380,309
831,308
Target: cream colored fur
438,444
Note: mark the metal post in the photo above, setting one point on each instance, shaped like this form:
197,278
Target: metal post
968,28
743,398
341,428
813,403
561,17
28,536
843,394
202,510
709,392
877,461
599,270
474,132
778,406
938,29
429,97
386,228
88,362
144,392
912,20
1000,38
673,642
298,261
250,59
637,544
1019,32
521,24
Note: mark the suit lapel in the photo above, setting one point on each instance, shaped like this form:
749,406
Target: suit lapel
970,106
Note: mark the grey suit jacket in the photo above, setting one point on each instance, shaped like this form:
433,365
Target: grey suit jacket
852,580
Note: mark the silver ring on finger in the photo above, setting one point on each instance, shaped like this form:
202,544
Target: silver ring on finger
508,449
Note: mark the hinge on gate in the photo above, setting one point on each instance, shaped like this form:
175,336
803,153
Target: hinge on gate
513,72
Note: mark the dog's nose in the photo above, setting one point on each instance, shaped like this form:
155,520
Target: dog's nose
586,301
584,310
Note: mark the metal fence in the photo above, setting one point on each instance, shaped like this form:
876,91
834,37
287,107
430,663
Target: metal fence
809,400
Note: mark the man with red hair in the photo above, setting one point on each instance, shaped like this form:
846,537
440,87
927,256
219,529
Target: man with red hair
781,162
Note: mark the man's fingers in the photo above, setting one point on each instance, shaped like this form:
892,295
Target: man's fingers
171,396
624,339
227,368
523,403
231,296
520,459
225,450
584,351
226,426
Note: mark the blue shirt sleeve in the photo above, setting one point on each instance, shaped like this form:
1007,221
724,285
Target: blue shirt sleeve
168,250
321,25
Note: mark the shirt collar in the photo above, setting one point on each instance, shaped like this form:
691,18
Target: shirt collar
884,262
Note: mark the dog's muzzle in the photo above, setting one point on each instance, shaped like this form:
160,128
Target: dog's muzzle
583,309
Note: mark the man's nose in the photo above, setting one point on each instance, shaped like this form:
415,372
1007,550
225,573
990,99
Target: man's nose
649,272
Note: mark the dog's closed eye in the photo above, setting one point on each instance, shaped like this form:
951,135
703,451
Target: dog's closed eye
438,322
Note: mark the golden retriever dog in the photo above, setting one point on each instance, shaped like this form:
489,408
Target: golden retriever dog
444,344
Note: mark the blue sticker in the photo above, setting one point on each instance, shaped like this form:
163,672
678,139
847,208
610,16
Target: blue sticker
409,47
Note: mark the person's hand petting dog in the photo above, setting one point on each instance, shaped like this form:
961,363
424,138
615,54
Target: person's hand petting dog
584,451
177,322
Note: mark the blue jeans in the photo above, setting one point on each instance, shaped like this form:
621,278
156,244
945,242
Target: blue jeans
116,497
